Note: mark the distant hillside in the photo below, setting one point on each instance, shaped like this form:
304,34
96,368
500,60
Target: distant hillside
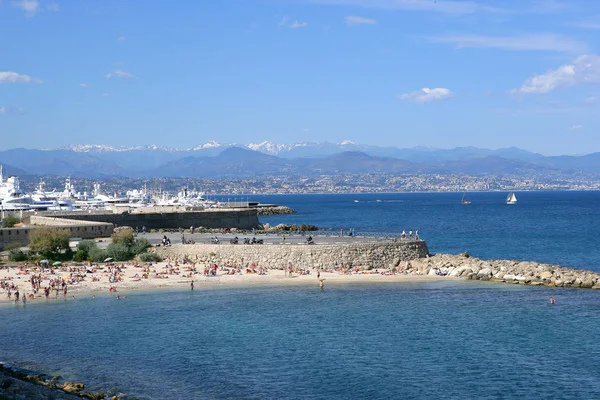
235,161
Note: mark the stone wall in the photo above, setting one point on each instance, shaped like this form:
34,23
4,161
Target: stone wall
78,229
218,218
366,254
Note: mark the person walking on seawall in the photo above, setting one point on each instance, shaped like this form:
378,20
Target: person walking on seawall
417,235
341,232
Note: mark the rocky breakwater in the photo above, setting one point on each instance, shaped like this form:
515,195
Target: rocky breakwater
275,210
356,254
508,271
17,384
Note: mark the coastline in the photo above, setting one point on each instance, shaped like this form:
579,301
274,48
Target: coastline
96,279
128,283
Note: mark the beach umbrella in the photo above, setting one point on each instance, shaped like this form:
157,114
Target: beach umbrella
56,263
44,261
108,259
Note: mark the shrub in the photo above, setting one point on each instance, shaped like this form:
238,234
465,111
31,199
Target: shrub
139,246
49,242
80,255
124,237
150,257
17,255
10,221
118,252
97,254
86,245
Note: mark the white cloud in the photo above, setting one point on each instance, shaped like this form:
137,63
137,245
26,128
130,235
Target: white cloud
53,7
584,70
13,77
296,25
31,7
539,42
84,85
591,99
354,20
575,127
119,74
105,94
425,95
121,38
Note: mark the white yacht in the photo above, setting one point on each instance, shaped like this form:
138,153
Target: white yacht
12,198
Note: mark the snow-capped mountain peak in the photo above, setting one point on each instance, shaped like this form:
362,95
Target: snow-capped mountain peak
269,147
347,143
211,144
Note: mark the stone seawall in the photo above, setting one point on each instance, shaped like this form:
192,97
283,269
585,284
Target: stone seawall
508,271
367,254
78,229
221,218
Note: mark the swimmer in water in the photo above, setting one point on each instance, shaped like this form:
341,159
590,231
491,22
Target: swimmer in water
321,284
552,301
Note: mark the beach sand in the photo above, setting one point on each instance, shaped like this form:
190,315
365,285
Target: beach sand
163,275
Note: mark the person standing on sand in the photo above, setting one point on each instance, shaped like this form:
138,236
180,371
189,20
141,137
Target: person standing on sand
319,274
192,285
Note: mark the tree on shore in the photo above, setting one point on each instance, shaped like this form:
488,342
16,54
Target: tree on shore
49,242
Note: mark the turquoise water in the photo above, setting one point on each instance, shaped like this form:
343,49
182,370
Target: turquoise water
415,340
456,340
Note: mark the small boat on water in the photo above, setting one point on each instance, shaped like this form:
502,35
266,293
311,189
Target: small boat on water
511,199
356,201
464,199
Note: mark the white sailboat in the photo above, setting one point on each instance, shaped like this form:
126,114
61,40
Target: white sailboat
511,199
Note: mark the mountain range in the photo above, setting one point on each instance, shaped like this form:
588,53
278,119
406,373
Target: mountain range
217,160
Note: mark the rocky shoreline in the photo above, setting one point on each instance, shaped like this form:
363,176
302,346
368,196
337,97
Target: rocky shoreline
16,384
275,210
509,271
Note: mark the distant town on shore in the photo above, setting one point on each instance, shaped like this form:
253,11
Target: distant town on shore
270,168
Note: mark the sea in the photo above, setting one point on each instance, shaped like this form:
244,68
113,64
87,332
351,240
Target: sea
420,340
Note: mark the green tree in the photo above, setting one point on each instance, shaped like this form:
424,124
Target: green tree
139,246
80,255
124,237
118,252
86,245
10,221
97,254
49,242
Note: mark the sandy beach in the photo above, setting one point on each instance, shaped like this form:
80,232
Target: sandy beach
120,278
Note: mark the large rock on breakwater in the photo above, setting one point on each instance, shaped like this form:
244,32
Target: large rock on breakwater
508,271
275,210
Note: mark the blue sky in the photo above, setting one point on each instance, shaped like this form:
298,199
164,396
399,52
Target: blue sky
384,72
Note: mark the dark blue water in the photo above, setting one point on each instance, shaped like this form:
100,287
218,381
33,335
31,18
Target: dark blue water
551,227
455,340
459,340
